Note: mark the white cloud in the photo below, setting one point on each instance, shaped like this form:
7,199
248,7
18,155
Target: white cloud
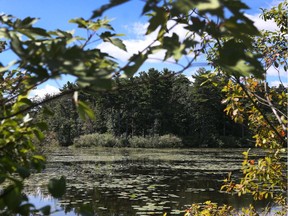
269,25
133,46
274,3
41,92
277,83
273,72
138,29
138,41
178,29
191,78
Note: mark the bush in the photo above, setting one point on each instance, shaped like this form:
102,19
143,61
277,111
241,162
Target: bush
165,141
138,142
101,140
169,141
108,140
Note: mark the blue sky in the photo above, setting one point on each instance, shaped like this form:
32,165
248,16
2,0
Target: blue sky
126,19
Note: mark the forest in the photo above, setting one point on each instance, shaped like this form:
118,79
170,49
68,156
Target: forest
153,104
114,104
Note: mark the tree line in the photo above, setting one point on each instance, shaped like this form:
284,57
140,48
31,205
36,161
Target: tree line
232,45
154,103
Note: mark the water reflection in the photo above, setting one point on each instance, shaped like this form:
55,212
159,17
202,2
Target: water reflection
138,182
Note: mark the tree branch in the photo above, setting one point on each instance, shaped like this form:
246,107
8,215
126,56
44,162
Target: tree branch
261,112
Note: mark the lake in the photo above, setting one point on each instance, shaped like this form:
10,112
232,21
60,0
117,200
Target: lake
111,181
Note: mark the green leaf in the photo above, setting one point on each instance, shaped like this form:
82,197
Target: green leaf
100,23
25,23
205,82
39,157
182,7
109,37
241,30
23,172
34,32
16,45
46,210
40,136
86,210
243,68
84,110
93,25
231,52
136,60
82,23
62,34
101,10
25,209
276,64
197,24
26,101
236,6
174,47
6,68
57,187
4,33
160,18
117,42
38,162
12,197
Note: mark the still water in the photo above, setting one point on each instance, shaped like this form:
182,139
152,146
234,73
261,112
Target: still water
113,182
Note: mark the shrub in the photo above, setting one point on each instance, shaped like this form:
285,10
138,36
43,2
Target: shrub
96,139
169,141
138,142
143,142
86,140
165,141
108,140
